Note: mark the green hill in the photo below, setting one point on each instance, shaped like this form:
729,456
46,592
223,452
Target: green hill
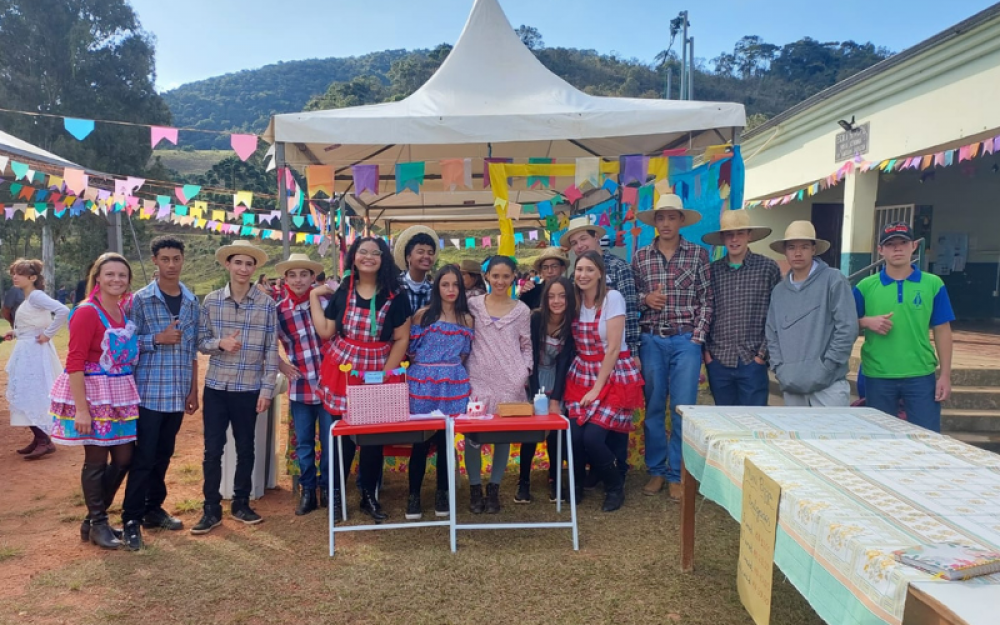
765,77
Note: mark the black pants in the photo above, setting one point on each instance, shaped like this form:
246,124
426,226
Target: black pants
222,409
575,438
146,490
596,442
418,462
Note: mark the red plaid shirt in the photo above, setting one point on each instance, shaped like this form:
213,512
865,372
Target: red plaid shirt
686,280
303,347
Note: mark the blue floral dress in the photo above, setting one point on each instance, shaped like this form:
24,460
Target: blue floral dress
438,380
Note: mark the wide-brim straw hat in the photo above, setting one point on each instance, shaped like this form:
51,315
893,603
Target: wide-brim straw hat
800,231
399,246
551,252
670,202
298,261
245,248
578,224
470,266
736,220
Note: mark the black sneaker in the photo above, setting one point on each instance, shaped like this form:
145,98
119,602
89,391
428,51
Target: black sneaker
132,536
242,511
413,509
211,519
442,506
160,519
552,491
523,494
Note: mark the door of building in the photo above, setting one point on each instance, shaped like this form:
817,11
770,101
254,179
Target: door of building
829,222
885,215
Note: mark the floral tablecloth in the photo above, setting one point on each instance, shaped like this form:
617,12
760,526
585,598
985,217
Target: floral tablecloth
856,485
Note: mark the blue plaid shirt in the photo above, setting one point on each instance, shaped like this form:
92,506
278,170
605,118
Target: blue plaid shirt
163,373
254,367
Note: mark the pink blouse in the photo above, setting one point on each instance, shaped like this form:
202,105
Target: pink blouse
501,360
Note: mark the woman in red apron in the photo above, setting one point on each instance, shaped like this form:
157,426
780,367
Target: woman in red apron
370,324
604,386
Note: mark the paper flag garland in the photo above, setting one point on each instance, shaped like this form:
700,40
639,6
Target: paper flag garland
544,209
186,193
20,170
633,169
518,238
79,128
318,178
572,194
159,133
588,171
366,178
244,199
244,145
456,172
513,211
457,243
551,223
409,177
3,164
470,243
630,196
75,179
545,182
486,242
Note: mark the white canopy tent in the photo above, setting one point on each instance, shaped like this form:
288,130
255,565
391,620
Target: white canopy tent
490,98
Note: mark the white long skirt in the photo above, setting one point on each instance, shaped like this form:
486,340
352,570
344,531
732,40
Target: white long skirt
31,370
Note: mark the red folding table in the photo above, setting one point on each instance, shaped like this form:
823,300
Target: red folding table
516,430
400,433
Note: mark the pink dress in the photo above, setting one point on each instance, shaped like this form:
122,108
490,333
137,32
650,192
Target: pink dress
500,360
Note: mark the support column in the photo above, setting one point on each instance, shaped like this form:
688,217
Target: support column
860,192
286,222
48,258
115,243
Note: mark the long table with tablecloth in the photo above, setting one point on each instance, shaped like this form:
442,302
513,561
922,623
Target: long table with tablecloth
856,484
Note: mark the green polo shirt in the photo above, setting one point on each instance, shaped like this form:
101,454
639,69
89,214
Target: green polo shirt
918,303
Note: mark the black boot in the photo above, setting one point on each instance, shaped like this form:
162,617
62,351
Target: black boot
523,494
132,536
476,502
337,502
324,497
614,487
493,499
112,480
371,506
91,476
85,530
242,511
307,503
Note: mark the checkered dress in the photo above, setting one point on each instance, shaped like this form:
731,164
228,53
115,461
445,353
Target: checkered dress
357,345
622,393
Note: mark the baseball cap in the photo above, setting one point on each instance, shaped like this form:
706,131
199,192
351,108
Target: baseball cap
900,229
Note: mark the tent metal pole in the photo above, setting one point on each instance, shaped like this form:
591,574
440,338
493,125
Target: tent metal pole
286,222
684,56
690,92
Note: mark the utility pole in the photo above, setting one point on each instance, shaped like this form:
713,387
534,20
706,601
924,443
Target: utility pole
684,55
48,258
115,243
670,80
690,91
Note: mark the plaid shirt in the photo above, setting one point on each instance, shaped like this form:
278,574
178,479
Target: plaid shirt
255,365
419,293
742,296
163,373
303,347
622,279
686,280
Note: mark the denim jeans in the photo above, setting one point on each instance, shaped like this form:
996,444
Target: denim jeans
670,367
146,490
746,384
222,409
304,418
917,395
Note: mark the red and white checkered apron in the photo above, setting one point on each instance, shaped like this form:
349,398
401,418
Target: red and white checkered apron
357,346
621,395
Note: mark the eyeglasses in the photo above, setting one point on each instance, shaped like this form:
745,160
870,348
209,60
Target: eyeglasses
551,266
375,253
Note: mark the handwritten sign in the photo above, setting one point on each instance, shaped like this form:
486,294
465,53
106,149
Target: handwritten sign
852,143
758,527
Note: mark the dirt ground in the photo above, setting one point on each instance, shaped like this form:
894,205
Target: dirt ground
279,571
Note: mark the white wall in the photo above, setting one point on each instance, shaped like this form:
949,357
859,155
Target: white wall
946,96
778,218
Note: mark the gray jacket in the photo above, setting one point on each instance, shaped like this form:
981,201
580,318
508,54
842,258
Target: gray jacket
811,330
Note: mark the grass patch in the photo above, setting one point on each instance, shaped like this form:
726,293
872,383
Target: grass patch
189,473
8,552
188,505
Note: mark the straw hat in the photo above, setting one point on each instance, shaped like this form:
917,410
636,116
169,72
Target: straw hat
399,247
800,231
670,202
470,266
579,224
551,252
298,261
241,247
736,220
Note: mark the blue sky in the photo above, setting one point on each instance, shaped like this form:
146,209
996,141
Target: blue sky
198,39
